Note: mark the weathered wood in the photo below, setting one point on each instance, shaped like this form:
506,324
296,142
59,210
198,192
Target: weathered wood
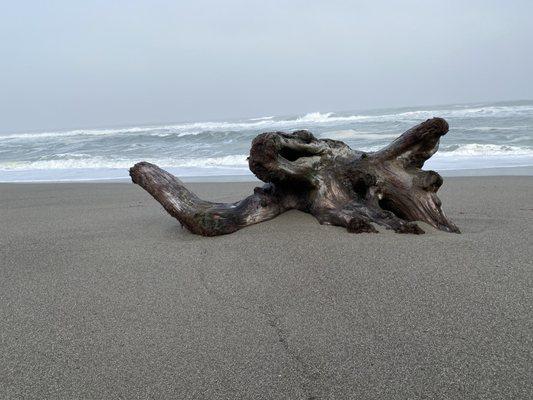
323,177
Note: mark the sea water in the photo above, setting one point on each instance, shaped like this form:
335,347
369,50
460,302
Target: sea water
481,136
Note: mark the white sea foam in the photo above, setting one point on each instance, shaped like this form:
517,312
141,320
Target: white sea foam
235,161
476,149
492,128
353,134
75,161
260,118
306,121
315,117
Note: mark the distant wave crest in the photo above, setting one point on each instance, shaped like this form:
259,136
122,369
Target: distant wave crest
346,134
268,123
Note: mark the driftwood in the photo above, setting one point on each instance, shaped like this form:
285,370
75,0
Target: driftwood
323,177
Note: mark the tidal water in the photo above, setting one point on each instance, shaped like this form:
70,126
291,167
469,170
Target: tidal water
482,135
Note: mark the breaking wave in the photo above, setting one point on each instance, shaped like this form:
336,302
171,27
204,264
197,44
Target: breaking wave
265,123
354,134
480,136
475,149
235,161
75,161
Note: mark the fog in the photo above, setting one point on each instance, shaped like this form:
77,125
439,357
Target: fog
68,64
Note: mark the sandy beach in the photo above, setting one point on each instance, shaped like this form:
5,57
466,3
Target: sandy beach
104,296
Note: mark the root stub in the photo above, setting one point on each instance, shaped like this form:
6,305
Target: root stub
323,177
357,225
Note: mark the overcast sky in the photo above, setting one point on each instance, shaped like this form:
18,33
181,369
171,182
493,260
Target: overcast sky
73,63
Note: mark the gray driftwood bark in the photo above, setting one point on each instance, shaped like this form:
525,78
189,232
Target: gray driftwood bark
323,177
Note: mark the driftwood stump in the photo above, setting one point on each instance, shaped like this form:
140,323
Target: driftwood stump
323,177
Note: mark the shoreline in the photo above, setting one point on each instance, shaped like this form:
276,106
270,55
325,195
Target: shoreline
526,170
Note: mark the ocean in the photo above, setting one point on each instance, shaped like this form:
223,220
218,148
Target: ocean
482,135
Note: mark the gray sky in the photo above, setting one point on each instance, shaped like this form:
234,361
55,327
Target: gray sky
73,63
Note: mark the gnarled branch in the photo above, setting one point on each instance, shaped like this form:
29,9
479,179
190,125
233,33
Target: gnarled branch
326,178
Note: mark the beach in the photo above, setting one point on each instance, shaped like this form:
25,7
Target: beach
104,296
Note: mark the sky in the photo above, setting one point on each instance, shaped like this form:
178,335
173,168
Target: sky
73,64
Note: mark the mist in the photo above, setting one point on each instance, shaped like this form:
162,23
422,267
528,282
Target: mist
73,64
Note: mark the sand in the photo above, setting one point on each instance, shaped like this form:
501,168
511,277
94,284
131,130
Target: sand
104,296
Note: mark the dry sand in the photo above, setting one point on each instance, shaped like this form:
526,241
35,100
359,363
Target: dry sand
104,296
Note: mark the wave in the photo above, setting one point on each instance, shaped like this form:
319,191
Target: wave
493,128
83,161
230,161
316,117
476,149
353,134
261,118
265,123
